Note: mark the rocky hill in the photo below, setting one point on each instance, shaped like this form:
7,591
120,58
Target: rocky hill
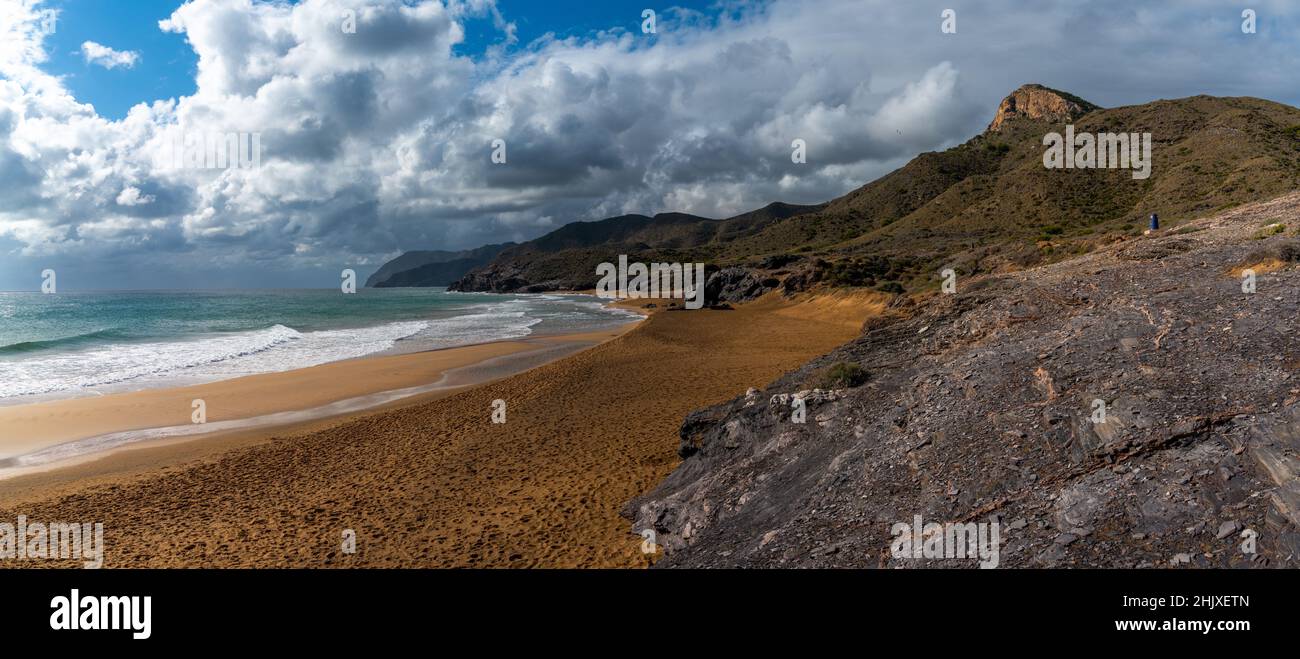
981,405
988,205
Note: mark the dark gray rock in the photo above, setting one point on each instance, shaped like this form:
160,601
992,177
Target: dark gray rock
1228,529
981,403
735,284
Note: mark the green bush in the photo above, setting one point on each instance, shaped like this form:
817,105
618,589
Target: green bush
1270,230
1050,233
858,271
842,375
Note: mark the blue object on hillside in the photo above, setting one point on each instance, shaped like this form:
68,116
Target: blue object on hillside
1155,222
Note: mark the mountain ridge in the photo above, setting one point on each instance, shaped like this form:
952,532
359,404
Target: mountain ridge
986,205
431,267
566,258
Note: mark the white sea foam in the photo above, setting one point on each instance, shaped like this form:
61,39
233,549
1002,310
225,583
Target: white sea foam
276,348
12,463
123,366
279,348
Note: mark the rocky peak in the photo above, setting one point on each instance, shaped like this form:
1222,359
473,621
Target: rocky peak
1039,102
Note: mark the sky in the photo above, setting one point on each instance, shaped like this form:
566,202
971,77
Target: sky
376,120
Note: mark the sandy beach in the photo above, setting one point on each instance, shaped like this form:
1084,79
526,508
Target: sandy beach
277,399
429,480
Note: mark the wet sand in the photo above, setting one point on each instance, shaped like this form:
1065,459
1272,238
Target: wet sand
431,481
40,436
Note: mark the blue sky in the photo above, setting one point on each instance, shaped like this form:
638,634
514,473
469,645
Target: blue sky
582,17
165,69
378,142
167,64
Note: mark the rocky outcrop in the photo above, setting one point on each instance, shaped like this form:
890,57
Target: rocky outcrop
1132,407
1038,102
736,284
498,278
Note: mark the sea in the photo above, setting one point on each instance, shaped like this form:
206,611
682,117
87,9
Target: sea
71,344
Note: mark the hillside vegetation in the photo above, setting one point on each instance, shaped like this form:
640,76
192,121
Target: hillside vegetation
987,205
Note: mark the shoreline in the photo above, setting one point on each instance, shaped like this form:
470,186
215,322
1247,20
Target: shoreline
70,431
431,481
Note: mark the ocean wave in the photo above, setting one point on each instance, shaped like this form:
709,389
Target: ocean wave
275,348
101,361
86,338
485,327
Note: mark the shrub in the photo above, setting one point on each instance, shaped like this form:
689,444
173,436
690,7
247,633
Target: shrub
1286,251
858,271
1270,230
842,375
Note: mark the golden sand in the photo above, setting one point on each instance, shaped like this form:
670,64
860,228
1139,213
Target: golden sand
432,481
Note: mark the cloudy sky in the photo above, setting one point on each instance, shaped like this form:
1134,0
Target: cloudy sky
379,139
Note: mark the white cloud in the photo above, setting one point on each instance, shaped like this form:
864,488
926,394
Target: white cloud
107,57
380,140
131,196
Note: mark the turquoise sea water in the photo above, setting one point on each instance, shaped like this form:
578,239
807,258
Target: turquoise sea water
83,343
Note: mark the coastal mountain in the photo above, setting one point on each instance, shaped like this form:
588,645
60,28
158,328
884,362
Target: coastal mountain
566,259
987,205
431,267
1082,381
1139,397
